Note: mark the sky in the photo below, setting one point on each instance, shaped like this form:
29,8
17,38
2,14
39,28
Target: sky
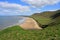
27,7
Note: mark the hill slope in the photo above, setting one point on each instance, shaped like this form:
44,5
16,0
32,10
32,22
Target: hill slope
17,33
47,18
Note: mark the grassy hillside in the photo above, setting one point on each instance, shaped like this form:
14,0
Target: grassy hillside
17,33
47,18
47,14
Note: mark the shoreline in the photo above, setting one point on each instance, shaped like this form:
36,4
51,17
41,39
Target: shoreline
26,23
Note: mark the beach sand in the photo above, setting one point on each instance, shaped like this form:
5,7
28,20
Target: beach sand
30,23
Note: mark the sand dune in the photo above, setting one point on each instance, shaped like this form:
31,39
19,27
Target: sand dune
30,23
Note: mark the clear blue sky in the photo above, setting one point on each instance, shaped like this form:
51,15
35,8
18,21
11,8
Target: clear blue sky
20,7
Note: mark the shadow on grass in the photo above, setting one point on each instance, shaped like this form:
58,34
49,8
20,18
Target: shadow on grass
49,24
56,15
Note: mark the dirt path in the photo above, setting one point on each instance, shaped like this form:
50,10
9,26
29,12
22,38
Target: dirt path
30,23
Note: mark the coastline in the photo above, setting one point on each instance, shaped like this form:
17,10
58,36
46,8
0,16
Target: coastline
26,23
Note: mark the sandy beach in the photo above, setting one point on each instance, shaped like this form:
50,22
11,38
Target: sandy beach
30,23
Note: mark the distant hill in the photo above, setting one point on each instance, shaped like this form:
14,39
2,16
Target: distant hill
47,13
47,18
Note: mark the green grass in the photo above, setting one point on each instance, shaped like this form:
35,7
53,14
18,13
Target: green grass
17,33
42,20
46,18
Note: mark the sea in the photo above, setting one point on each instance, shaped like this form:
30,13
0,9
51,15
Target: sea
9,21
